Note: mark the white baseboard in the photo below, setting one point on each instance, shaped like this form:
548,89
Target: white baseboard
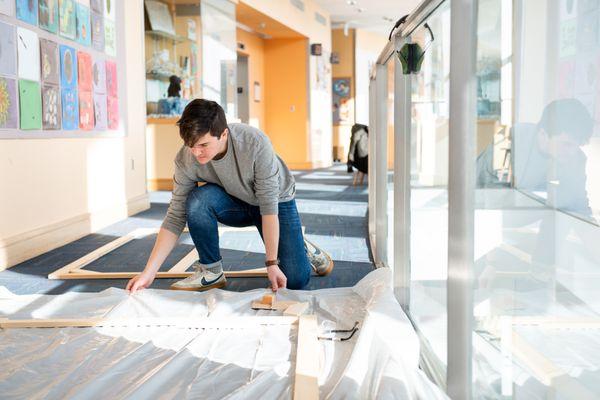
26,245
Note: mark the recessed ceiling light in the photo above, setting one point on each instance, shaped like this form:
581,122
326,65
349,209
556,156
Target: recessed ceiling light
351,2
360,9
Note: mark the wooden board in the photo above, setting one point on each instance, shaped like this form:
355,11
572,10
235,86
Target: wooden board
208,322
306,381
102,251
75,269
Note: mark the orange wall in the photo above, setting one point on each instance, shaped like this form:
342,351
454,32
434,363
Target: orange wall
286,99
255,49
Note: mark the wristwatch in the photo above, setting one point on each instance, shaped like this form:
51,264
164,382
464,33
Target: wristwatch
269,263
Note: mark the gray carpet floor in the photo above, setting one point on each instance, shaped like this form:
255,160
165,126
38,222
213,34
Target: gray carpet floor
333,213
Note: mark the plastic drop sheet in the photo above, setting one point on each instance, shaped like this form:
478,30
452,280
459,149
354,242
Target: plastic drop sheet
253,362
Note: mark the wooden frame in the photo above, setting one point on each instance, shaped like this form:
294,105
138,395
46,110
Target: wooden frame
75,269
542,368
306,383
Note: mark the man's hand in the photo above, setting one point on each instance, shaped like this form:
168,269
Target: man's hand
141,281
276,277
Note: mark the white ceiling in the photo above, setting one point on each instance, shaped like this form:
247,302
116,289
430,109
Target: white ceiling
374,15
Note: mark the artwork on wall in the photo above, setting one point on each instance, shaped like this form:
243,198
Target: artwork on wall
27,11
28,54
7,7
97,6
46,83
48,14
159,16
8,50
99,76
111,78
341,101
30,105
8,104
100,111
70,109
84,33
567,45
67,17
49,63
110,45
97,31
68,67
51,112
84,62
112,104
86,111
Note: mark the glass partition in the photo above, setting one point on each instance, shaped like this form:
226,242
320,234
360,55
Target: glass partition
429,182
219,54
537,256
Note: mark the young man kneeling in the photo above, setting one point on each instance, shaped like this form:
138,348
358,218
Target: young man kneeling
244,183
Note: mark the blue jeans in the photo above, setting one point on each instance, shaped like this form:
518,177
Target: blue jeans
209,204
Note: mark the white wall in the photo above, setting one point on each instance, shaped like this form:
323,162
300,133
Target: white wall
57,190
368,47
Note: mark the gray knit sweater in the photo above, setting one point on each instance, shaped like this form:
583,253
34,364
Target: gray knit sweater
250,170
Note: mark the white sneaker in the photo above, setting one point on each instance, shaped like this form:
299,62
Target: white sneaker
320,261
202,279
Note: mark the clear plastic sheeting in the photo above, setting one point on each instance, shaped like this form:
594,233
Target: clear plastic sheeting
249,362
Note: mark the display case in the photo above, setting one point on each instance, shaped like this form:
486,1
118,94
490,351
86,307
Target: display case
173,47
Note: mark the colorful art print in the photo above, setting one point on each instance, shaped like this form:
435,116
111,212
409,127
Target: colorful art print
99,76
86,111
51,110
111,78
68,67
109,9
97,5
67,19
341,87
27,11
48,15
113,112
28,49
30,105
70,109
567,45
8,50
97,31
9,114
84,30
110,41
49,62
100,111
7,7
84,62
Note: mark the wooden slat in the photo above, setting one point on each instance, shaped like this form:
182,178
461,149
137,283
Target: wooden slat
84,274
295,310
232,322
306,381
96,254
185,262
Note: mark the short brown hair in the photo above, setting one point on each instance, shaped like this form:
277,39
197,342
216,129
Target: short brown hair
200,117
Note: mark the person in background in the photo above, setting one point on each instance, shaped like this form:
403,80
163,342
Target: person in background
358,154
173,104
